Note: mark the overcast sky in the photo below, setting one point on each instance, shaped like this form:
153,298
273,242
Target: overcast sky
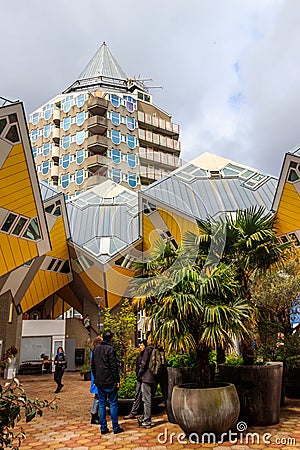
230,69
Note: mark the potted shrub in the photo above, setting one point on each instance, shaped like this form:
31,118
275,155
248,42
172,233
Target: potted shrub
191,312
198,297
85,371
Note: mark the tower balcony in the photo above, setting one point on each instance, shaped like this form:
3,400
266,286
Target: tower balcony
56,116
97,144
97,125
165,160
54,171
95,178
151,174
55,151
97,106
56,134
159,142
159,125
96,162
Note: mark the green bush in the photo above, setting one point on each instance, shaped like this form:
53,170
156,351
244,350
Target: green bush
182,360
127,386
234,360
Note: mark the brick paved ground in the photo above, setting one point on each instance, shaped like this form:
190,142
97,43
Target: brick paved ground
69,427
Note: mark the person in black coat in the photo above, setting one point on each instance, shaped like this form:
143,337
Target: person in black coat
149,385
60,363
138,389
106,378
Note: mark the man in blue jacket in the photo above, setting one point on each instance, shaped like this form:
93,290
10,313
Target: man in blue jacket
107,380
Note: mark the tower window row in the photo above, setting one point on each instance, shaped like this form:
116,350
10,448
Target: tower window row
117,176
79,119
117,156
65,104
77,178
127,101
45,132
117,119
116,138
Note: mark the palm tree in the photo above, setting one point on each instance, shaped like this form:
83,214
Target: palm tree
246,239
191,305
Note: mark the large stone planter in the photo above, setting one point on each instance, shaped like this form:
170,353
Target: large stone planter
172,376
259,391
211,410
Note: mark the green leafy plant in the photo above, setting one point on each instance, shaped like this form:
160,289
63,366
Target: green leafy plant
181,360
127,386
123,325
233,360
85,368
15,406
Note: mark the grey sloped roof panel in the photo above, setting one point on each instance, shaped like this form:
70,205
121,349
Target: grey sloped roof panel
47,191
207,196
103,64
104,229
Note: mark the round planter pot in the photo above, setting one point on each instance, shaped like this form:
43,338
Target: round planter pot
87,376
171,377
210,410
259,391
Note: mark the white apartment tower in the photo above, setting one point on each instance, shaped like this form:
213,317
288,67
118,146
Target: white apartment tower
103,126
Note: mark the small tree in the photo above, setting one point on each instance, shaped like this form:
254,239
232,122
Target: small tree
276,295
123,325
15,405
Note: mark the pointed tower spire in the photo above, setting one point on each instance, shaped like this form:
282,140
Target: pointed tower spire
103,64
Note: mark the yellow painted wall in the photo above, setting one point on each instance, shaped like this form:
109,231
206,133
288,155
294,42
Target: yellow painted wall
150,235
177,224
288,213
16,195
46,283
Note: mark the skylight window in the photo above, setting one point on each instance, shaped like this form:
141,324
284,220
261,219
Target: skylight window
190,172
255,181
104,245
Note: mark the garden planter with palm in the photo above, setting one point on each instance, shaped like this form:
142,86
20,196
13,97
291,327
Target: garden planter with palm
199,411
196,315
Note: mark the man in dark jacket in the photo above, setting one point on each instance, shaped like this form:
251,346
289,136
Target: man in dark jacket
149,385
107,380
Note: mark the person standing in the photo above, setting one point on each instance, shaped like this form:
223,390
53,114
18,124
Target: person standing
93,388
138,389
60,363
149,385
107,379
87,323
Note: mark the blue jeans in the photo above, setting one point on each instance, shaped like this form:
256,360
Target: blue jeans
112,395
